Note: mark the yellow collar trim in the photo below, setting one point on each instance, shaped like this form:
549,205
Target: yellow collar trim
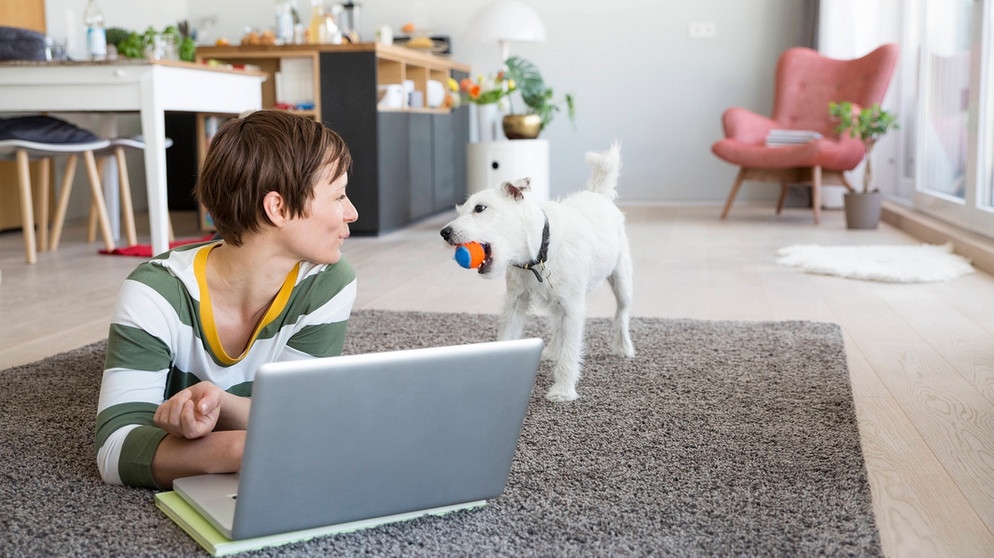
207,310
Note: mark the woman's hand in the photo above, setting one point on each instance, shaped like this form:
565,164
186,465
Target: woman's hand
191,413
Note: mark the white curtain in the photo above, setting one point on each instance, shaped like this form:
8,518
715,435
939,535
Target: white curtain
849,29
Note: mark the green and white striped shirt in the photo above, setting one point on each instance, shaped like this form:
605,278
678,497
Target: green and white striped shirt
163,340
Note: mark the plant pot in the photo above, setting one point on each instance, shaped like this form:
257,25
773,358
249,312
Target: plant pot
522,126
863,210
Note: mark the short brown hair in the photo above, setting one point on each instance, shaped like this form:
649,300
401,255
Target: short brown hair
260,152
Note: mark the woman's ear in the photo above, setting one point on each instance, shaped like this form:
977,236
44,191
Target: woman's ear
275,209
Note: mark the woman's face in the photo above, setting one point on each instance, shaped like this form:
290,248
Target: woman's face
318,236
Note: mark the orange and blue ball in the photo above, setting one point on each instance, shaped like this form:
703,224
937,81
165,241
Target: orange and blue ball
470,255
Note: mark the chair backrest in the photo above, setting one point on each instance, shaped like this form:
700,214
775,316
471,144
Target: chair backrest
806,82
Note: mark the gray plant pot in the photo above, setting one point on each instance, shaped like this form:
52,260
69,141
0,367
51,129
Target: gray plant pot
863,210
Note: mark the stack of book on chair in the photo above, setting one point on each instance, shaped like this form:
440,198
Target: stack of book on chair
791,137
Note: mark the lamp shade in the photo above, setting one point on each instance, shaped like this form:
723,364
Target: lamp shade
506,21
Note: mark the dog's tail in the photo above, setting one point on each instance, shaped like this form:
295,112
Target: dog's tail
604,170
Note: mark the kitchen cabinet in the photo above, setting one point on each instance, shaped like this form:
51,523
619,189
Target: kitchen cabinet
409,162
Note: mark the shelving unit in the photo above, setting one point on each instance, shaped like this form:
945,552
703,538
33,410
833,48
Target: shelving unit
394,64
409,162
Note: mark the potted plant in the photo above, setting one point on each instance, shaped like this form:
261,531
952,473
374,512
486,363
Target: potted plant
868,125
540,100
488,94
494,92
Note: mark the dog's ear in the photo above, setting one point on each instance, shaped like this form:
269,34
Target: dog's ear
516,189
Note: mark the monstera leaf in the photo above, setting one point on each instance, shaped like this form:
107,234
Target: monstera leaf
539,98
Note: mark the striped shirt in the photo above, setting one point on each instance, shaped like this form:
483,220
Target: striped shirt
162,340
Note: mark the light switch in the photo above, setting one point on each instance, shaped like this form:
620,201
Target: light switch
702,30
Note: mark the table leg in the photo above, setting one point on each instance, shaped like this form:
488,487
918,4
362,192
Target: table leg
154,131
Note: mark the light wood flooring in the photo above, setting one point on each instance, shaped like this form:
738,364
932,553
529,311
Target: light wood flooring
921,356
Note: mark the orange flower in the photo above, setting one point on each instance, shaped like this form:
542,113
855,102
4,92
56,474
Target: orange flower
474,91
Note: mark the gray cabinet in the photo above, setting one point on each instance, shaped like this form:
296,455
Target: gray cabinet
408,164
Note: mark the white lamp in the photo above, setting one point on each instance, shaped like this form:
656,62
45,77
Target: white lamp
506,21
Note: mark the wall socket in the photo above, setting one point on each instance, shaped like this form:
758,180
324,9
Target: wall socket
702,30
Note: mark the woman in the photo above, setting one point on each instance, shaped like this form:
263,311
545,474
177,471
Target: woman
192,325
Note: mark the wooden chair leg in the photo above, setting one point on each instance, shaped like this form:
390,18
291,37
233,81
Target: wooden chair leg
127,207
44,187
784,187
60,209
98,198
816,193
91,222
27,206
735,190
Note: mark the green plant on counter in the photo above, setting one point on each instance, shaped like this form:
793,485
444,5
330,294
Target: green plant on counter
131,44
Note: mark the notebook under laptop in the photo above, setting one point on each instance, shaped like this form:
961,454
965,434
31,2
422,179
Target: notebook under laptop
373,438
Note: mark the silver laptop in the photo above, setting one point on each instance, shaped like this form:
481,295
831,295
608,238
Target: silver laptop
361,440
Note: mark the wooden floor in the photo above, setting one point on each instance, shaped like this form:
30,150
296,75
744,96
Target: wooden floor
921,356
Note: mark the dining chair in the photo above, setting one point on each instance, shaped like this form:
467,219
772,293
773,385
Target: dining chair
42,138
116,151
805,83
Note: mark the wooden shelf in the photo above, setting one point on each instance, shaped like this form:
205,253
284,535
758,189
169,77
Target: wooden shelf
394,64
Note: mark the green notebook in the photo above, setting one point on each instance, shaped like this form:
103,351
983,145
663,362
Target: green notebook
207,536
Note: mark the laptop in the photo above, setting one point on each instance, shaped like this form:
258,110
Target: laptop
362,440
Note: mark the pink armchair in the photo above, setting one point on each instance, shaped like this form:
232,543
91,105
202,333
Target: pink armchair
805,83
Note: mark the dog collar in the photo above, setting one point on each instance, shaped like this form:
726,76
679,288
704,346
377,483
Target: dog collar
543,252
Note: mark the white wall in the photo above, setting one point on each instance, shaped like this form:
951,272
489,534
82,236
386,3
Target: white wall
636,74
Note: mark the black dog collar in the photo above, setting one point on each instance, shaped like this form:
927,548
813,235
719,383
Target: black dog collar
543,252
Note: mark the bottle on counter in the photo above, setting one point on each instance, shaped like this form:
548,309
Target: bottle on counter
284,21
96,34
314,31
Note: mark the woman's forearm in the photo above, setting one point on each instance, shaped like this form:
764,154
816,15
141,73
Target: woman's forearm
234,412
218,452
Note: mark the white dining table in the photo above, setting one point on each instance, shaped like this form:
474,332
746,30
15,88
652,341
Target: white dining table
148,87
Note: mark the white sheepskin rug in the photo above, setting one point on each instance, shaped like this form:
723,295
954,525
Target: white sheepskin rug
887,263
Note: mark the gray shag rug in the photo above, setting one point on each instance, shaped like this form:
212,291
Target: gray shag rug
719,438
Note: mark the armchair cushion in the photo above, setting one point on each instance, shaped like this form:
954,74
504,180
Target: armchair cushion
746,126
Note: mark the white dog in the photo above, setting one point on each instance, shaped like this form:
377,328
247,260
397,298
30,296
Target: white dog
552,254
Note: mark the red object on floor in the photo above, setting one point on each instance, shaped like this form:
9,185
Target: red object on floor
145,250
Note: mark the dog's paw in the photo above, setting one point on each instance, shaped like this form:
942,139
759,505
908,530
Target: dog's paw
561,394
547,355
624,351
622,346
